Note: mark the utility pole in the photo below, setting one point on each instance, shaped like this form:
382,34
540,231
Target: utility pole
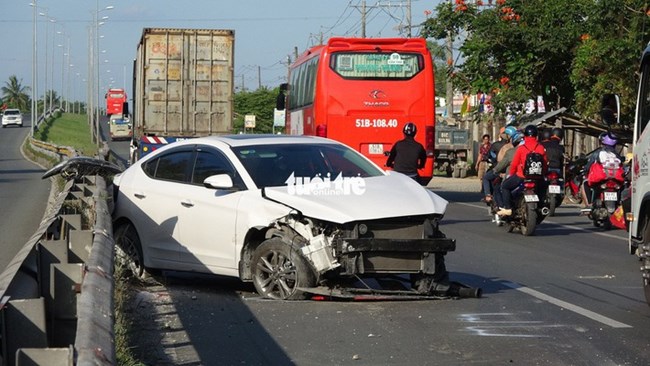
449,54
408,19
363,9
363,19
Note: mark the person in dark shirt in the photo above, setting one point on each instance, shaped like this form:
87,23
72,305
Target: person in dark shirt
554,149
407,155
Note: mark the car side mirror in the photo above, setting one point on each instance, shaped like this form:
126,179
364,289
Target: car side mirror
219,181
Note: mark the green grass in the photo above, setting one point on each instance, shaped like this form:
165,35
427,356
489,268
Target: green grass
68,130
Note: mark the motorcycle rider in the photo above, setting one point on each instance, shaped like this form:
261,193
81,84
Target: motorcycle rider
516,171
407,155
502,167
554,149
608,142
491,175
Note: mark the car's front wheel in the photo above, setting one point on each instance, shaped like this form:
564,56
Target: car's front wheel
279,270
130,249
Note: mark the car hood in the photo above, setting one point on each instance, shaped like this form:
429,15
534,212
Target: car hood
392,195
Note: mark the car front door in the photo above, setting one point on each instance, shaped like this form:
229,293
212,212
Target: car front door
156,197
207,217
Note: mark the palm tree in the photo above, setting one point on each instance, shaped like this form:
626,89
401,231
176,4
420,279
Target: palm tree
15,94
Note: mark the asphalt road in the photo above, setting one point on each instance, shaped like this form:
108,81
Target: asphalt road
570,295
23,194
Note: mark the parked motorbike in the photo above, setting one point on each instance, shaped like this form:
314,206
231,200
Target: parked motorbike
528,209
554,191
574,178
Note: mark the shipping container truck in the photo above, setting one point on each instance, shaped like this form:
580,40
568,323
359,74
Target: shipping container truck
452,149
183,86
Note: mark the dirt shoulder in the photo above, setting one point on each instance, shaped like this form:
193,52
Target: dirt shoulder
469,184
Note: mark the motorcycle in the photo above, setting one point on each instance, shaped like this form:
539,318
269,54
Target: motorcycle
554,191
575,176
607,198
528,209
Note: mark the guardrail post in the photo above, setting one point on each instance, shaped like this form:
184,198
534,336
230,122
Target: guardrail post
48,356
66,279
50,252
24,323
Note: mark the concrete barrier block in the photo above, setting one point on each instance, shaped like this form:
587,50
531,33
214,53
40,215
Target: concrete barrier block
50,252
70,222
24,326
66,281
80,243
45,357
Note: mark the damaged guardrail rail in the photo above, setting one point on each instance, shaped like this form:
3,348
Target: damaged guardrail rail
56,295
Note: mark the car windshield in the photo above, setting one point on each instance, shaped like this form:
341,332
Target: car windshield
272,165
10,112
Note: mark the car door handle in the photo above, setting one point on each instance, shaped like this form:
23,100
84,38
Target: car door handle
187,203
139,195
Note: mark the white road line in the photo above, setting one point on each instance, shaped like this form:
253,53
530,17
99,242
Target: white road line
563,304
554,223
542,296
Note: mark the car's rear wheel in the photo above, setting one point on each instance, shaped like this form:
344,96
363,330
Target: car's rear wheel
279,270
130,249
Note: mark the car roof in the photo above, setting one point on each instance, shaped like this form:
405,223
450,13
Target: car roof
262,139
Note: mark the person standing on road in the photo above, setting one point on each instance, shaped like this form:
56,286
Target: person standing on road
407,155
483,156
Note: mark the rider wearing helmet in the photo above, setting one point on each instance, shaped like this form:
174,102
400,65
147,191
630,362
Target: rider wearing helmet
407,155
502,167
503,146
554,149
516,170
608,142
544,134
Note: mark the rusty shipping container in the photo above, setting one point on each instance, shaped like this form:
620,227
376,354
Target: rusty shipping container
183,86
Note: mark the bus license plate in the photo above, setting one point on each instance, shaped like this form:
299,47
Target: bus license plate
554,189
376,149
531,198
611,196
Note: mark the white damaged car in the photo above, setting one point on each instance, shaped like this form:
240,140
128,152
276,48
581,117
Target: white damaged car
295,215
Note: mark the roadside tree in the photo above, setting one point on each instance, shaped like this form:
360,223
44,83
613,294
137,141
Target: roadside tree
14,94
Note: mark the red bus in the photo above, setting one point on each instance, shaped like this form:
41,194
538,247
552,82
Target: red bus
361,92
115,100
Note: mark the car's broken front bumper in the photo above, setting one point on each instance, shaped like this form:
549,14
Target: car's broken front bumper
377,256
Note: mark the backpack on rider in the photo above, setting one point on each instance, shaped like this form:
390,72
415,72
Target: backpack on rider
534,164
607,166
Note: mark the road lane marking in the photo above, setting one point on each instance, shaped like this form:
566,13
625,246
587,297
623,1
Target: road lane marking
563,304
500,325
556,223
577,309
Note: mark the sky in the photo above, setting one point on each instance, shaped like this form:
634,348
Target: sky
266,34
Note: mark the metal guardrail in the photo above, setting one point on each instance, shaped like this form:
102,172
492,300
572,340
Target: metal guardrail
56,295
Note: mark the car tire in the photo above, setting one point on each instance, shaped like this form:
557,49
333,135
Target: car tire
279,270
130,249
